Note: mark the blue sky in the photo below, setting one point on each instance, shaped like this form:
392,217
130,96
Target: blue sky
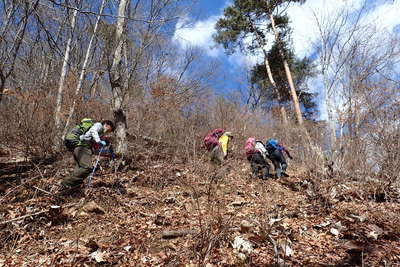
197,29
210,7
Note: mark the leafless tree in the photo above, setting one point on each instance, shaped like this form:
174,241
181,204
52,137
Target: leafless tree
14,23
57,113
356,61
85,64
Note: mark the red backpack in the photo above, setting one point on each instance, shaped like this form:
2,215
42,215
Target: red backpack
249,146
211,139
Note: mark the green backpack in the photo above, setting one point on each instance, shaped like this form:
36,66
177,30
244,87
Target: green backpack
72,139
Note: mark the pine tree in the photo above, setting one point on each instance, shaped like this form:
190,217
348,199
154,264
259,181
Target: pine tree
246,25
301,69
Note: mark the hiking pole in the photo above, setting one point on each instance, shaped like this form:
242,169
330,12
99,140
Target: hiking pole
94,168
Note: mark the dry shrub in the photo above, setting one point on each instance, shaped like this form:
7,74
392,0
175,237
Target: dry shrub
182,125
27,117
27,125
384,146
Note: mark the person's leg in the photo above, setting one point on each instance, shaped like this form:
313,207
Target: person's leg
282,160
220,155
258,163
284,166
83,158
263,166
214,157
252,166
217,156
277,164
265,169
254,169
278,170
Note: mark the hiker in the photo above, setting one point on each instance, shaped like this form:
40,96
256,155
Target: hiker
82,146
256,154
224,146
275,149
217,142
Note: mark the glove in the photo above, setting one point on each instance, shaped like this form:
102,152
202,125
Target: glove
103,143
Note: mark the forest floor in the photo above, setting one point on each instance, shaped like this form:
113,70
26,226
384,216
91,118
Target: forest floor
162,213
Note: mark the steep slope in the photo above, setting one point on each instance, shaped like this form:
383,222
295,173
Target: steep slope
174,214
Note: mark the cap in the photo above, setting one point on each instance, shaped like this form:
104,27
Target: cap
228,134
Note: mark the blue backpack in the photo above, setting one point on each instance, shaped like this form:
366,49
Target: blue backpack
271,145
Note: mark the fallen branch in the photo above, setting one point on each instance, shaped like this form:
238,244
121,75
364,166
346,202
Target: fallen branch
33,214
18,186
279,261
176,233
42,190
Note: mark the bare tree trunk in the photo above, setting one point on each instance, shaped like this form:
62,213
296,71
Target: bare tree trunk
84,68
7,66
293,93
94,83
331,122
271,79
117,84
57,115
261,42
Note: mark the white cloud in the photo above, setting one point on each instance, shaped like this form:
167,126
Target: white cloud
197,34
381,13
384,15
305,29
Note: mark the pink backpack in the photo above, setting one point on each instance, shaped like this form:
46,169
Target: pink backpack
211,139
249,146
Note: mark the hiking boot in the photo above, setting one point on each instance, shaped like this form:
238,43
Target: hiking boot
63,189
57,188
254,176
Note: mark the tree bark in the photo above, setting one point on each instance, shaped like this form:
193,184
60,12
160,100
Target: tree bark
262,44
117,83
29,7
84,68
57,115
271,79
293,93
331,121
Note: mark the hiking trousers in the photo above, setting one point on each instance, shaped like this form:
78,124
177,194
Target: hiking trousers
83,159
217,156
258,163
279,162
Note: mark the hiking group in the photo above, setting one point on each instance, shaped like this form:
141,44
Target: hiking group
88,137
256,153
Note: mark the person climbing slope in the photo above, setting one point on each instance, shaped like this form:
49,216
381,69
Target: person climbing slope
224,141
217,142
275,149
256,154
80,141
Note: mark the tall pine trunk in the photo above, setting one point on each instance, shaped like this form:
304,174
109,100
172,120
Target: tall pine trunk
117,83
271,79
293,93
261,42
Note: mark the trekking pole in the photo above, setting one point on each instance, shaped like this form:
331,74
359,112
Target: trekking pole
94,168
